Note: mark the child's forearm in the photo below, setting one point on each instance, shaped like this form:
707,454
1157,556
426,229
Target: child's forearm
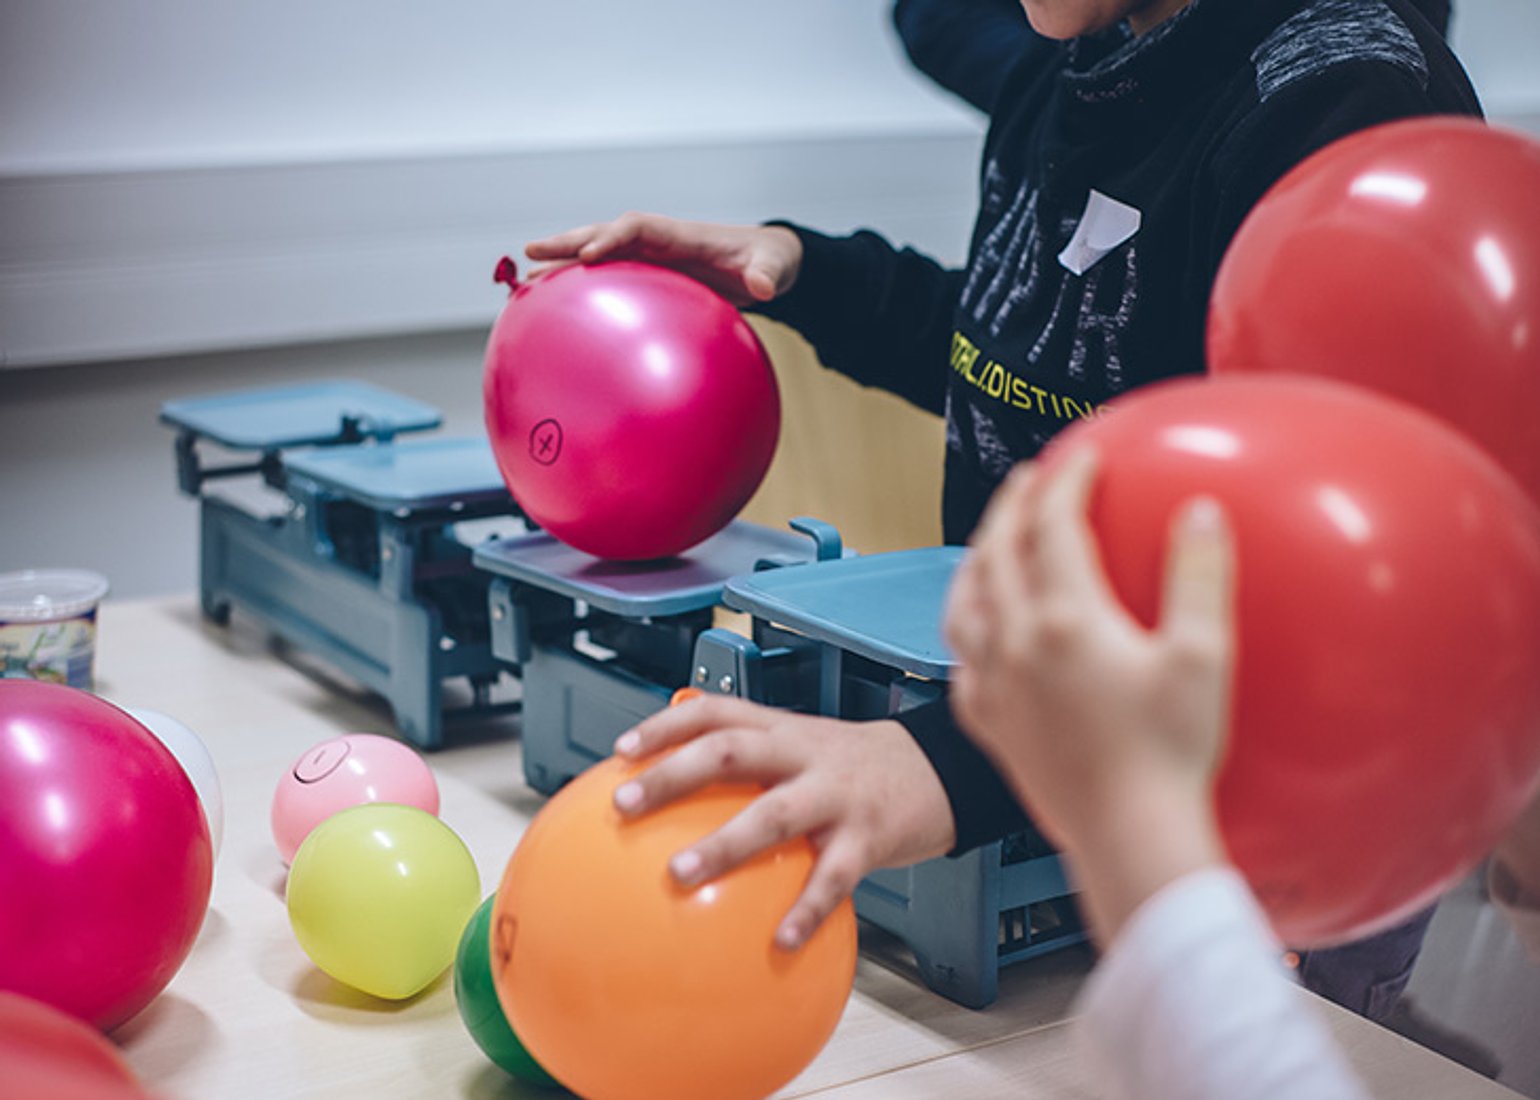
1134,846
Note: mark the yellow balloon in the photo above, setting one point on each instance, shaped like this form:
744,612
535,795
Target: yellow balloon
378,896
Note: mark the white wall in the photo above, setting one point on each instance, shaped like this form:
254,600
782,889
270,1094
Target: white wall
102,84
180,176
197,196
202,194
158,83
1499,41
184,175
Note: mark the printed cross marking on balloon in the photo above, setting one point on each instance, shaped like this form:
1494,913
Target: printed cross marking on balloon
545,442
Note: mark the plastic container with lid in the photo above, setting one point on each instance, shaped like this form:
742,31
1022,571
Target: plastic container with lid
48,624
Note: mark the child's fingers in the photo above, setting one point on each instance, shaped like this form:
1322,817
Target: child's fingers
966,625
1198,592
644,236
780,814
1010,514
761,282
834,878
725,754
688,720
561,246
547,268
1005,540
996,594
1068,561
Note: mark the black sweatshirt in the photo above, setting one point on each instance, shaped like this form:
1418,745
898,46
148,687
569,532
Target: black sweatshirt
968,46
1178,133
965,46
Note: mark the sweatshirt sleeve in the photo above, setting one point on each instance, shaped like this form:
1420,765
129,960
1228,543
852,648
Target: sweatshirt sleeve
1303,118
983,808
966,46
1191,1002
880,315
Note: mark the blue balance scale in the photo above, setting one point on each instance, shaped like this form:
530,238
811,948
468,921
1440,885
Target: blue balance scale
364,562
357,563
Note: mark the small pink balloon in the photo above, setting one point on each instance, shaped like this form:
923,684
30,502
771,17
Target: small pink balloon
347,771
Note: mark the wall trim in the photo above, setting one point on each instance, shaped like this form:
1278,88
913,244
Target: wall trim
115,265
111,265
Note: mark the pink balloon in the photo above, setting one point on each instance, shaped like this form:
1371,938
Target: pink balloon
631,409
347,771
105,859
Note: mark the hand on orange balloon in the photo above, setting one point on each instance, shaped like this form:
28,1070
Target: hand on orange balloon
743,263
1108,732
620,983
863,793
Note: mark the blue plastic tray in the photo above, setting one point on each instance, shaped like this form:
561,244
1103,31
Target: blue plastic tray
668,586
293,416
887,607
413,473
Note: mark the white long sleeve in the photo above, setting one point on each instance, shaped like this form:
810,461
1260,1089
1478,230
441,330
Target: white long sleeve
1192,1002
1522,909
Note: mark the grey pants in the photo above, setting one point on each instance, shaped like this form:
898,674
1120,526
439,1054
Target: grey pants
1366,976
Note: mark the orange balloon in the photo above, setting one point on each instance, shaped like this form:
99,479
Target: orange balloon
626,986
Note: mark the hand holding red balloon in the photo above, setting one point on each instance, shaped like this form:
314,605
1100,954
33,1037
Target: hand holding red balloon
745,264
1387,626
1110,733
862,792
1406,259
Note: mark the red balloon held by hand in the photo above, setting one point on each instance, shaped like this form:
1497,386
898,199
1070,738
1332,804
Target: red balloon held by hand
631,409
1386,708
1404,258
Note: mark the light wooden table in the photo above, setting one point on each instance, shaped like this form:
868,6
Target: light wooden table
249,1016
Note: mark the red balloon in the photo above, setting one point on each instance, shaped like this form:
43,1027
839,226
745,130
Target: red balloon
105,858
631,409
625,986
46,1054
1405,258
1386,716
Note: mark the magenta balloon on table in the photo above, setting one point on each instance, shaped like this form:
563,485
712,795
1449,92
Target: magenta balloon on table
105,859
1404,258
631,409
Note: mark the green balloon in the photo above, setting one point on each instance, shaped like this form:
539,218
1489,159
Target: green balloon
476,997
